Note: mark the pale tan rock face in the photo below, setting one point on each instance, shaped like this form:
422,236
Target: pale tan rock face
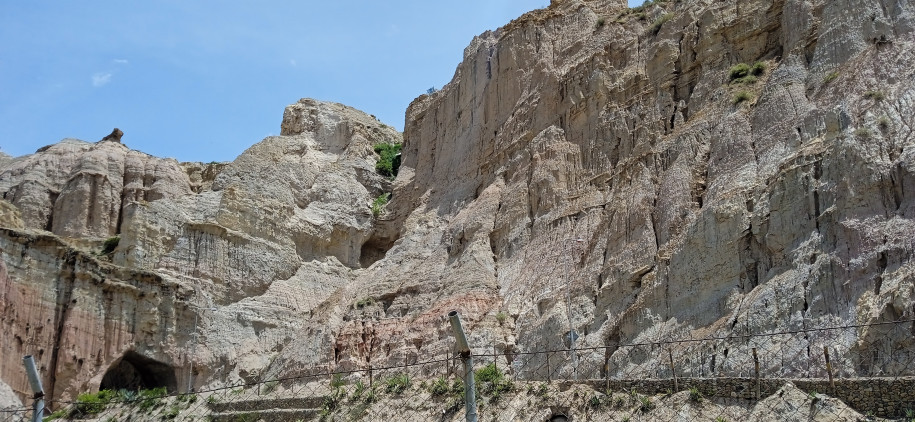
695,214
86,186
579,152
262,241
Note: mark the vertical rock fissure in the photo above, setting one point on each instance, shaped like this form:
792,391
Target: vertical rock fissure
64,296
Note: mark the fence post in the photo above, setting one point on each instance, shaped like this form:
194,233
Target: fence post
35,382
495,359
756,371
470,406
549,372
370,376
673,371
832,383
607,370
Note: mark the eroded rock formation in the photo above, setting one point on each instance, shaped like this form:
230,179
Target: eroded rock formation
583,151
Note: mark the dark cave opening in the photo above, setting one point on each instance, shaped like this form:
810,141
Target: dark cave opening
135,372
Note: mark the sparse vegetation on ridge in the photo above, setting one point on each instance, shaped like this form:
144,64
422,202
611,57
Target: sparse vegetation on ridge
379,203
389,159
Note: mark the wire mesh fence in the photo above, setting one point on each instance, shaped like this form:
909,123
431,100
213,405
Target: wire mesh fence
853,372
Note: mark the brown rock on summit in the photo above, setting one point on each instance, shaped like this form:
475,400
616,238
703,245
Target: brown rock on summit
114,136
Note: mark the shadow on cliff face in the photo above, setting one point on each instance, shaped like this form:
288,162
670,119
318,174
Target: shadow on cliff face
136,372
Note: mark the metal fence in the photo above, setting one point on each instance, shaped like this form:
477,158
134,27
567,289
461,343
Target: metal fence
851,372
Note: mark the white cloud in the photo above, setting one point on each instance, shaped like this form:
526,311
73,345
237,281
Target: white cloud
120,61
101,79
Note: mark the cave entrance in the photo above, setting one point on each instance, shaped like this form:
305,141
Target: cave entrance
135,372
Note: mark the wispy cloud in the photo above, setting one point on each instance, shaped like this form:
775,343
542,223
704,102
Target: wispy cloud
101,79
120,61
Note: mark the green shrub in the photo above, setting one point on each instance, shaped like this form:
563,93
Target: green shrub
439,387
110,244
862,133
389,159
884,123
831,76
645,404
93,403
659,22
742,96
492,382
875,95
746,80
171,413
695,395
739,70
397,384
601,22
742,73
379,203
501,317
151,399
60,414
357,392
366,301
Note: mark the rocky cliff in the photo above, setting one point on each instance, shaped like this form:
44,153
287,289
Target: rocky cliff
683,169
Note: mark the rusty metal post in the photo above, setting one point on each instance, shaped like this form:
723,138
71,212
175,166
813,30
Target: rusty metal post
549,371
607,370
673,370
756,371
832,383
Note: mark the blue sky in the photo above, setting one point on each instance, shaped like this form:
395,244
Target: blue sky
203,80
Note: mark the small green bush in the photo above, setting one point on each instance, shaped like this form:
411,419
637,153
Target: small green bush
884,123
389,159
645,404
366,301
60,414
746,80
357,392
742,73
110,244
439,387
492,382
875,95
659,22
93,403
863,133
601,22
151,399
831,76
739,70
397,384
742,96
171,413
501,317
695,395
379,203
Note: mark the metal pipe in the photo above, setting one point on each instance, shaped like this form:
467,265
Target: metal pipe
462,346
470,407
35,382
